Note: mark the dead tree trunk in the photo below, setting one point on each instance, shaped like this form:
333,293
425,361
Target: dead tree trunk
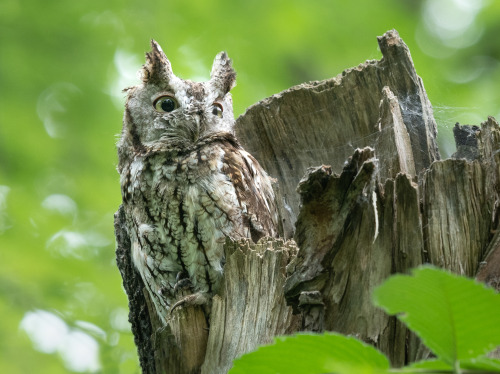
385,204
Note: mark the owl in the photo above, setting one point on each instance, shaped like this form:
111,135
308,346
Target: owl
186,182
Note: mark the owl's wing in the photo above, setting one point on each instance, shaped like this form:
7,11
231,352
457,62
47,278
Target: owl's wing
254,191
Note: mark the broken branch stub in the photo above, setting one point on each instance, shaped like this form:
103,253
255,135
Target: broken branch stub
250,309
323,122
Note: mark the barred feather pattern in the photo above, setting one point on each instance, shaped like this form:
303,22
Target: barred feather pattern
181,207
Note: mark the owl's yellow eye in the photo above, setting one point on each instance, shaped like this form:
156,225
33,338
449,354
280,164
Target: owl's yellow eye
165,104
217,110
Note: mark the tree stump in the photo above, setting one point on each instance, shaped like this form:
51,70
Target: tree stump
384,204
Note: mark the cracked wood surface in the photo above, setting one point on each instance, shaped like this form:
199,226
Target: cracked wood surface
373,199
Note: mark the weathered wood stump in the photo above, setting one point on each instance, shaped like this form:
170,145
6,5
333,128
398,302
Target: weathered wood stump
384,204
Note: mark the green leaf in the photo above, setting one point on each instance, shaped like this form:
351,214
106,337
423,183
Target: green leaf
427,366
457,318
483,364
473,365
312,354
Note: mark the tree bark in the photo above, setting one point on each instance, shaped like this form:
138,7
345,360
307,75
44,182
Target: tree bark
384,204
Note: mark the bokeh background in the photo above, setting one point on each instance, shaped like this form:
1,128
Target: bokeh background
63,65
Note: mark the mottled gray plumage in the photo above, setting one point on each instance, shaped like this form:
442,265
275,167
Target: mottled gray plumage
186,181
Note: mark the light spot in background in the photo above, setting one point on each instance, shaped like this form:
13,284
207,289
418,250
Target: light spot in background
4,218
62,204
448,25
80,352
451,20
92,329
50,334
68,244
430,45
52,104
125,74
45,329
77,245
119,320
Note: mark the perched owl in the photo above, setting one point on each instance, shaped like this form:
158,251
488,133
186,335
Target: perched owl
186,182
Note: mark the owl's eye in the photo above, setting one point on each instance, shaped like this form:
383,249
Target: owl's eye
217,110
165,104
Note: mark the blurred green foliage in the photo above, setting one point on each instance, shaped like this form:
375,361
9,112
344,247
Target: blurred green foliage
62,67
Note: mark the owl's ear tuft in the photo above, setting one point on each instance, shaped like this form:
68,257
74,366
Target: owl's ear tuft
157,67
223,74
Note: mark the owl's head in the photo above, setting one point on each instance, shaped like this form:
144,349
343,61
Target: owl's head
166,112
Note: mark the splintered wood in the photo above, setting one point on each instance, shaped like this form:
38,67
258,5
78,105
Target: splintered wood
364,195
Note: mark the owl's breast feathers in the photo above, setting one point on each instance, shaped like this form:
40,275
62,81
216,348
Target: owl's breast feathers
216,164
182,204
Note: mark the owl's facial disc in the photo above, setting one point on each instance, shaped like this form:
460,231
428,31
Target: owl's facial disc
168,112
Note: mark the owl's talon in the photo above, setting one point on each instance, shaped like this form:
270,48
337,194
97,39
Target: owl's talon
198,298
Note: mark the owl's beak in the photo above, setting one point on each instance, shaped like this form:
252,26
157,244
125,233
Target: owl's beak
195,133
